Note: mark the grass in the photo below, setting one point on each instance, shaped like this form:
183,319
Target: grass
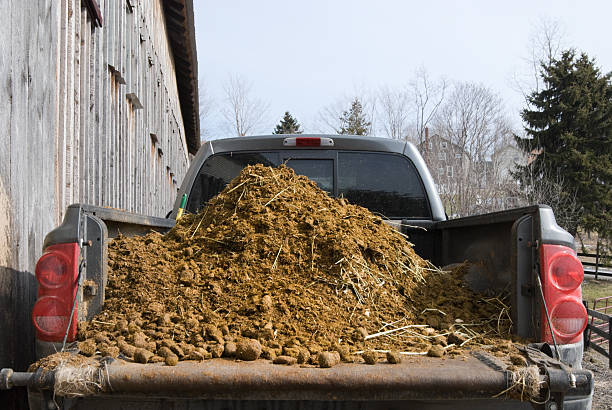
593,289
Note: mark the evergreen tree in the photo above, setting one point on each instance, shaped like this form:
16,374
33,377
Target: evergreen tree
354,121
288,125
569,124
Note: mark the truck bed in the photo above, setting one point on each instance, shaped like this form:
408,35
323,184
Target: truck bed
493,243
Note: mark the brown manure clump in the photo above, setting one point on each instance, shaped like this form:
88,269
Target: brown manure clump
273,267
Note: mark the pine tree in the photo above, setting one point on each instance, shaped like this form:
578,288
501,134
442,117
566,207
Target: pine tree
569,124
354,121
288,125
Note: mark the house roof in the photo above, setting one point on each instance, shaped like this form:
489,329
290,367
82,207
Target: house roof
181,32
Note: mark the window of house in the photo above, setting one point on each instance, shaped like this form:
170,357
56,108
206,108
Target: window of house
430,145
444,145
458,155
442,156
449,171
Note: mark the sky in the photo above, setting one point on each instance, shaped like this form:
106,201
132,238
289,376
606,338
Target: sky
304,56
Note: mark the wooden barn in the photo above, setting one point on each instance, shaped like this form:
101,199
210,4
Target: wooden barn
98,104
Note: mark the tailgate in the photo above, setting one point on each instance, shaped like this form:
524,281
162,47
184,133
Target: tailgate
471,380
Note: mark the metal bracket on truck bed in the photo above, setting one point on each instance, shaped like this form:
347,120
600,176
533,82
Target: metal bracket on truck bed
560,378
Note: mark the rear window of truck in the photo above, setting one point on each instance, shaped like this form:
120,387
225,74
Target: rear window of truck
385,183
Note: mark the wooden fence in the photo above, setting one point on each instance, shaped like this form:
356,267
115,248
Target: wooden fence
596,264
597,324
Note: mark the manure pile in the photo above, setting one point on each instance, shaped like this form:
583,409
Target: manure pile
275,268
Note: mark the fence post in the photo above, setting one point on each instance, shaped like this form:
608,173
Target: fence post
597,258
610,342
585,334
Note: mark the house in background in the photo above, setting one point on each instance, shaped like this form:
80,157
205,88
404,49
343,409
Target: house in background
99,105
445,160
507,157
472,183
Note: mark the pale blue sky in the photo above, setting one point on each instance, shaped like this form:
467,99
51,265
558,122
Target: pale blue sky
302,56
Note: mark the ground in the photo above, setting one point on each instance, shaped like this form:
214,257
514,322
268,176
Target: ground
598,364
595,362
593,289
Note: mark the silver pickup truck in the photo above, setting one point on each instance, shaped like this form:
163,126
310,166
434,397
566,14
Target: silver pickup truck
522,251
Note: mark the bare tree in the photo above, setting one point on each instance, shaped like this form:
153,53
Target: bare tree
405,112
545,188
473,118
546,41
395,107
206,103
473,126
330,118
243,113
428,96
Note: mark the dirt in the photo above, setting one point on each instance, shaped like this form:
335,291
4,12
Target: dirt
328,359
370,357
598,364
275,267
393,357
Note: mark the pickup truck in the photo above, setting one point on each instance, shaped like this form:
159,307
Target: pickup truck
520,251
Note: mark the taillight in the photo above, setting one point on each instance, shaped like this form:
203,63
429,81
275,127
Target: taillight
308,142
566,271
568,318
57,274
561,274
50,316
52,269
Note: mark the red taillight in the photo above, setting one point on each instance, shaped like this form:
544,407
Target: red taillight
568,318
566,271
57,274
308,142
52,269
562,274
50,316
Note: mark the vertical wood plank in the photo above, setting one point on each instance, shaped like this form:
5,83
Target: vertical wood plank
7,256
81,114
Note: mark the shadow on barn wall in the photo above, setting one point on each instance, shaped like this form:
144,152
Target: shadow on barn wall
17,345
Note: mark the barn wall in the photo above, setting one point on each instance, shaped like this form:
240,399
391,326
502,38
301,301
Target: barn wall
28,91
121,140
88,115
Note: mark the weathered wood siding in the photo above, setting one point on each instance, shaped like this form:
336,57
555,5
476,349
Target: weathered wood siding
121,140
88,115
28,92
